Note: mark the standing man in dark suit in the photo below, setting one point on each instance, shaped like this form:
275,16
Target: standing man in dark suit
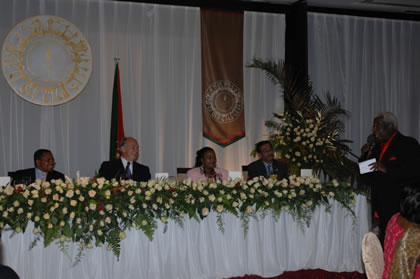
266,165
126,167
397,164
44,169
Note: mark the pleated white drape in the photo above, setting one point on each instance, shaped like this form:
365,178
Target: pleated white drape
199,250
370,65
160,67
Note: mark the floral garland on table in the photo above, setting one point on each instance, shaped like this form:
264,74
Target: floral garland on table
98,212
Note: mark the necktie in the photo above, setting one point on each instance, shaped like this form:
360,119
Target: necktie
44,176
270,169
127,171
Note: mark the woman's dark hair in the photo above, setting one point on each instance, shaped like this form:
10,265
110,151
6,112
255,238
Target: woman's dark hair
200,155
410,203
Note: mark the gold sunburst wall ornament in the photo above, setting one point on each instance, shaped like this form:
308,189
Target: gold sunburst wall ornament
46,60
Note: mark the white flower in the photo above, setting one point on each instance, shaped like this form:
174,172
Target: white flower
100,181
212,197
92,193
81,198
50,226
72,215
9,190
26,194
46,216
108,207
20,210
122,235
205,211
92,206
108,220
331,194
249,209
69,194
73,202
219,208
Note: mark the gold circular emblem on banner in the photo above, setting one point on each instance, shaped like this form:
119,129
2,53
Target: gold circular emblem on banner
46,60
223,101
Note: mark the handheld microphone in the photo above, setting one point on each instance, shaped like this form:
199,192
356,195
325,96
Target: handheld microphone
371,139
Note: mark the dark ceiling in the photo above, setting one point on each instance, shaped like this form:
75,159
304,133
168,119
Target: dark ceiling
398,9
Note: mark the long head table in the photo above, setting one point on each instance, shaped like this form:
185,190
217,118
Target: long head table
200,250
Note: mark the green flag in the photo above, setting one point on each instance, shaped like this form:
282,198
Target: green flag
117,124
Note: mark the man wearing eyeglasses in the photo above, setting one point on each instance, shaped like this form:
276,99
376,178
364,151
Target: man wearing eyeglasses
44,169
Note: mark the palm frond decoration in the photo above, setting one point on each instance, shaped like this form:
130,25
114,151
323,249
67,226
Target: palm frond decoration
307,133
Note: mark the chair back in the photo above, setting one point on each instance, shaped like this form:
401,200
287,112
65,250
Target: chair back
245,172
181,173
373,256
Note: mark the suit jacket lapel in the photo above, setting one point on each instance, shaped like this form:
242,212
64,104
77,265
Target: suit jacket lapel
33,176
391,148
136,171
263,169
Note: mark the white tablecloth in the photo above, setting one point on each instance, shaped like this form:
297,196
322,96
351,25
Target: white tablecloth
199,250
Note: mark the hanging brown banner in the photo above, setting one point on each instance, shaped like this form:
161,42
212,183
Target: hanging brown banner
222,76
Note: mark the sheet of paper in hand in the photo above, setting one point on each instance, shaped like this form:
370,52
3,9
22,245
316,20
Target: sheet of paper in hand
364,166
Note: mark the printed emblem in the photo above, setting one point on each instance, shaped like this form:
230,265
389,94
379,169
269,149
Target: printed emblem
46,60
223,101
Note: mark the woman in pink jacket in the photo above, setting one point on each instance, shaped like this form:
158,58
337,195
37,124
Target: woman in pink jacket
205,167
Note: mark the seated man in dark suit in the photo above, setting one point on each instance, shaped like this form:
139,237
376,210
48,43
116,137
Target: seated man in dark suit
126,167
44,169
266,165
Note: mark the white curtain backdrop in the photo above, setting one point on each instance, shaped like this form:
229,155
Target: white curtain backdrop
160,67
370,65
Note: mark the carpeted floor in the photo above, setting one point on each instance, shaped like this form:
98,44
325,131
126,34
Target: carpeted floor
310,274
